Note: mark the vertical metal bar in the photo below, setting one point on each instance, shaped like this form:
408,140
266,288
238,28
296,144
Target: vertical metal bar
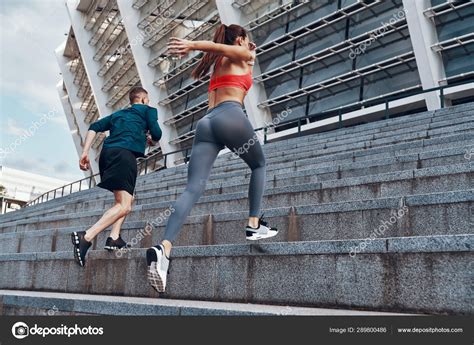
386,109
80,185
47,196
90,181
265,135
166,156
146,165
441,97
54,197
70,189
340,117
299,126
62,192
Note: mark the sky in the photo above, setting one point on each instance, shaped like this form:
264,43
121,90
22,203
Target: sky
34,135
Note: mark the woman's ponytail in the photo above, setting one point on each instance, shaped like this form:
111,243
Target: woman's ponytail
225,35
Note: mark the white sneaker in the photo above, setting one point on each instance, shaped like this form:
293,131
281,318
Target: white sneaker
158,265
263,231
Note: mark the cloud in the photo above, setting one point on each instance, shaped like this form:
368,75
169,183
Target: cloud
13,128
30,31
62,170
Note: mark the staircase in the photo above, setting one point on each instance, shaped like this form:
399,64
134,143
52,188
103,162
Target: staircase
374,219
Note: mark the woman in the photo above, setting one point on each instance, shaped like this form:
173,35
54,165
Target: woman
224,124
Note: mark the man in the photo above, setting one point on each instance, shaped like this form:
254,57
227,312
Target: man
117,166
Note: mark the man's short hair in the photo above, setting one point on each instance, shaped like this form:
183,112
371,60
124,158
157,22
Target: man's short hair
136,93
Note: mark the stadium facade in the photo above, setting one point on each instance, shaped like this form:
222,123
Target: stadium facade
334,58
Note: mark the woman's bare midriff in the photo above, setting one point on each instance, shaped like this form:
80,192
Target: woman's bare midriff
223,94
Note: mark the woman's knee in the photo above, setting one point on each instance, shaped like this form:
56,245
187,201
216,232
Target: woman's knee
196,189
257,162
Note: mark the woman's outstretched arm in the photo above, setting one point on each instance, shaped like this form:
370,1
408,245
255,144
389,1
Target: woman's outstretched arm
181,47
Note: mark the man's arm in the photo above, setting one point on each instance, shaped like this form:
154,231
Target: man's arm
84,162
152,123
101,125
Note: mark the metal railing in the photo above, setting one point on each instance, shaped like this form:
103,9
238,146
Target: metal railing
362,104
145,166
150,164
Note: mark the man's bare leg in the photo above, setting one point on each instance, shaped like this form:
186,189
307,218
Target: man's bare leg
115,232
122,207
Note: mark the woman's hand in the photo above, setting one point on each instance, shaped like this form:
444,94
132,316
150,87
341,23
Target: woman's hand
84,163
180,47
252,46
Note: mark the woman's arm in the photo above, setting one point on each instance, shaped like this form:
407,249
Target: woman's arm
182,47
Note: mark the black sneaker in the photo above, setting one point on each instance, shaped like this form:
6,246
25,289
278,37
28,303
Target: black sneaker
80,247
158,267
119,243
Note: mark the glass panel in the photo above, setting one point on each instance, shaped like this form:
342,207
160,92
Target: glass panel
391,80
322,9
369,20
383,48
459,60
329,68
455,23
334,97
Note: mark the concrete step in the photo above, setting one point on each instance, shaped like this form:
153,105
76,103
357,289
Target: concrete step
311,173
331,170
403,145
417,215
287,190
183,169
376,130
447,178
451,113
428,274
368,140
366,177
21,302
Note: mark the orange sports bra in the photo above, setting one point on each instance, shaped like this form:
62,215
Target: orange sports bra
242,81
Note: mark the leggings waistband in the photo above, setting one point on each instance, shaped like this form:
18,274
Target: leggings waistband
229,103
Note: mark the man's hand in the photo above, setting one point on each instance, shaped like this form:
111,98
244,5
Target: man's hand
84,163
149,140
252,46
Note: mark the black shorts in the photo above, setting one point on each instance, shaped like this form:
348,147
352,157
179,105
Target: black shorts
118,169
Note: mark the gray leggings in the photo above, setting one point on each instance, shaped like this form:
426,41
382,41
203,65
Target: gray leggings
223,125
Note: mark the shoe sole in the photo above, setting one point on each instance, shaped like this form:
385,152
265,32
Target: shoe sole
152,275
256,237
77,252
110,248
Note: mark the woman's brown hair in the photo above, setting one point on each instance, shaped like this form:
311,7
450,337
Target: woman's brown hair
225,34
